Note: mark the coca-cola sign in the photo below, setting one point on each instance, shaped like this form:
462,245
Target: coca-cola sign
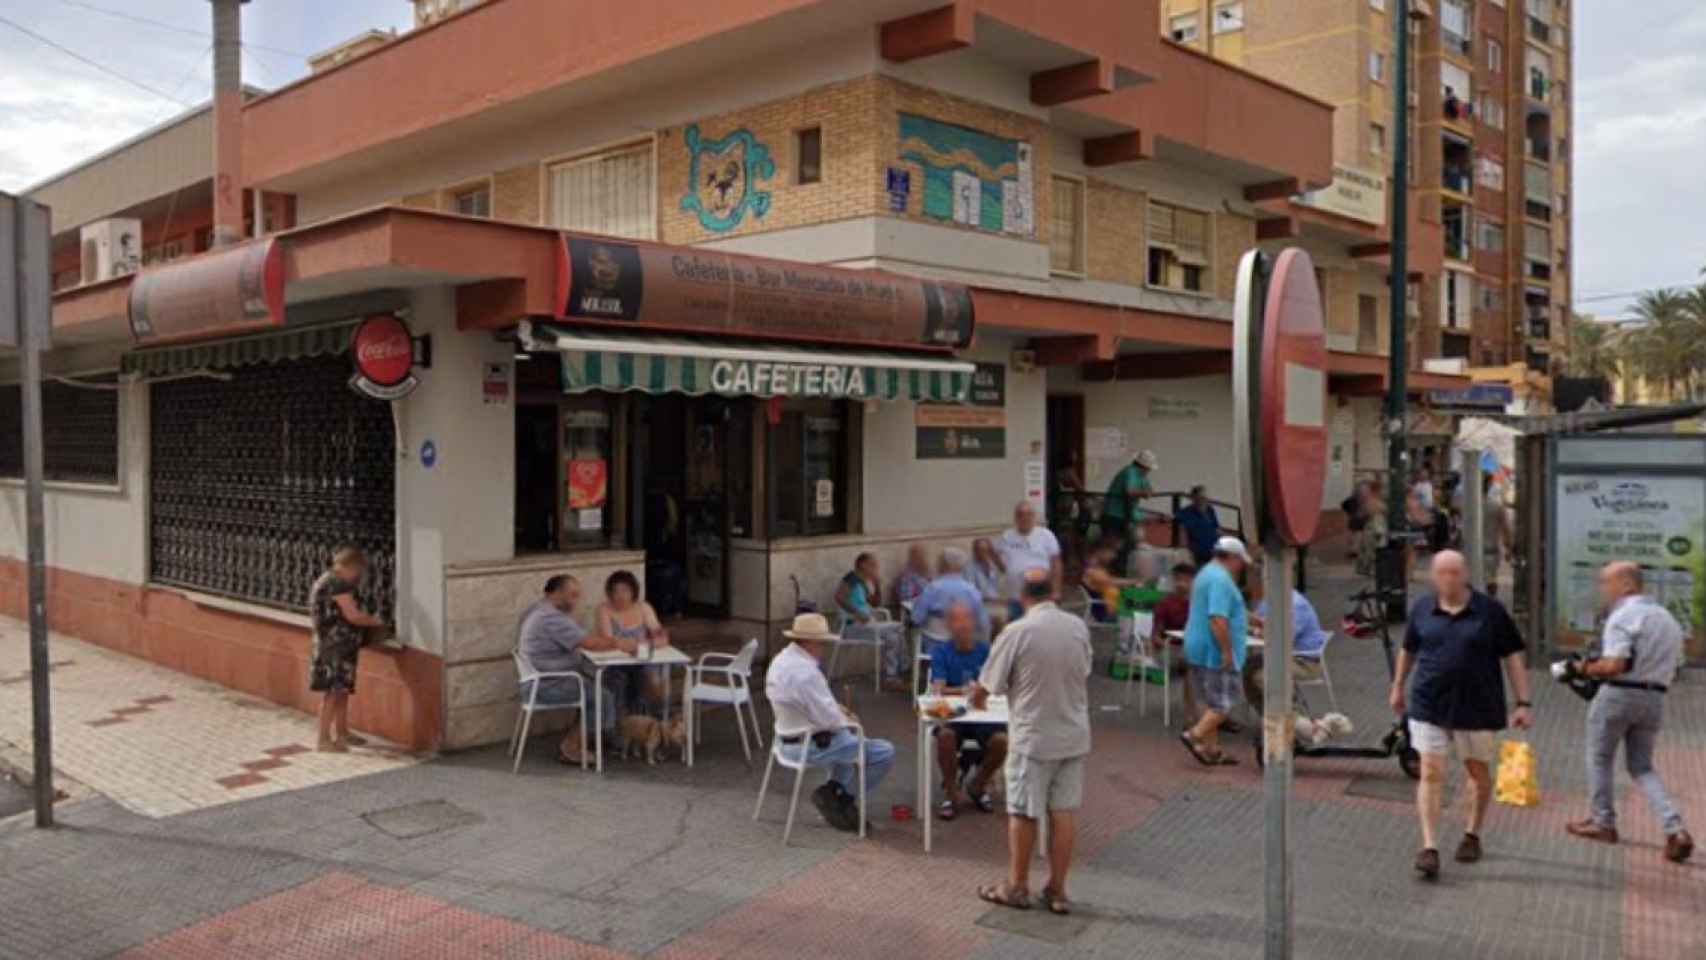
384,355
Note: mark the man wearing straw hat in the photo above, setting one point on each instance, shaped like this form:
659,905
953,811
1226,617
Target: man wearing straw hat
795,680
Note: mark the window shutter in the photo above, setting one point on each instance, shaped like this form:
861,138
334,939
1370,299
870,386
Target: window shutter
610,194
1161,232
1066,231
1190,231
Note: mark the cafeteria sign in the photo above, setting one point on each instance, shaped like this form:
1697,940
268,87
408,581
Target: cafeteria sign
766,379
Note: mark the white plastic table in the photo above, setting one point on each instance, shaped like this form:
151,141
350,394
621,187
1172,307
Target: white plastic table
602,660
994,711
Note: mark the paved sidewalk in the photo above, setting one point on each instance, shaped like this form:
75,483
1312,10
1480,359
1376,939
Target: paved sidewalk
159,742
458,858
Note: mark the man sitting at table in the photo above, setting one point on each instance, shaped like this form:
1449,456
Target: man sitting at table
949,588
796,682
552,641
954,666
1172,613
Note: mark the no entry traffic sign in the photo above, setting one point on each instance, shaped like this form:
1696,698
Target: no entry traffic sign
1294,399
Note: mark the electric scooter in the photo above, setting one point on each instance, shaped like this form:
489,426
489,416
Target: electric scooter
1365,620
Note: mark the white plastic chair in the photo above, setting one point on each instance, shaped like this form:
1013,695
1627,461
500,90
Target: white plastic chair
1081,606
529,705
921,644
875,642
1326,679
790,725
735,691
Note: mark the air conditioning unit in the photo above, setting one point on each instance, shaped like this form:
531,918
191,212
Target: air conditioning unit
111,248
1447,365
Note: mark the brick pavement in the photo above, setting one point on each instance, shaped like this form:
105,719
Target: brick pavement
161,742
663,861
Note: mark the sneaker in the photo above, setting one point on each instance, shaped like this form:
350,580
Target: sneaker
1469,851
827,800
1427,863
1679,846
1589,830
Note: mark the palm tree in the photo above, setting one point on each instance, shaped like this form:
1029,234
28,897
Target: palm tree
1670,344
1594,348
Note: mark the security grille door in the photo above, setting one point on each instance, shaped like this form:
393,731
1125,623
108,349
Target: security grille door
255,480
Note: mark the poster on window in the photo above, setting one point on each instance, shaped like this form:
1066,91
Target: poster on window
1655,520
588,482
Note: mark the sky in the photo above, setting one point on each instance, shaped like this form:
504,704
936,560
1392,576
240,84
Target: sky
1639,138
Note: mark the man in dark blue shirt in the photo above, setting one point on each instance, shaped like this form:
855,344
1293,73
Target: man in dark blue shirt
1458,650
1201,526
954,666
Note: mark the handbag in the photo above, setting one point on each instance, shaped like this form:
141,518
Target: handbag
1518,781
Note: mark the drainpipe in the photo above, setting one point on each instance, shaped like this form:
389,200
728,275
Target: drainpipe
227,122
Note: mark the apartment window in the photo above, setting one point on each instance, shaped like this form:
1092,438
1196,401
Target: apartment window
1539,72
609,193
79,427
1066,230
1178,248
1490,297
1495,56
1377,4
1537,242
1455,87
1489,234
1538,183
472,201
1490,173
1185,27
808,154
1454,27
1368,323
1376,138
1228,17
1490,110
1377,66
1459,294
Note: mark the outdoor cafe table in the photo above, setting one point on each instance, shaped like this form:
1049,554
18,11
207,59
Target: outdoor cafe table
602,660
994,711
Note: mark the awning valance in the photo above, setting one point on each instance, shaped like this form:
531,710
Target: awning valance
617,362
284,343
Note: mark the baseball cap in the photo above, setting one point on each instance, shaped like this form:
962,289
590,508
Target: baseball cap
1233,546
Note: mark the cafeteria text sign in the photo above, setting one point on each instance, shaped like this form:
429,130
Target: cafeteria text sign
768,379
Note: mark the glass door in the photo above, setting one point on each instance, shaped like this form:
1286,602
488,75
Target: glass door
706,506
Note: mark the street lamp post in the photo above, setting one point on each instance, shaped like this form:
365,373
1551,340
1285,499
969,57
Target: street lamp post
1391,571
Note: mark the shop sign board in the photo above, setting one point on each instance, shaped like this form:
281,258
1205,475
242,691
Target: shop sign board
221,293
1355,193
976,430
1657,520
690,290
384,357
767,378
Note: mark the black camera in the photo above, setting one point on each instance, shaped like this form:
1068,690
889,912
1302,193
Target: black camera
1569,672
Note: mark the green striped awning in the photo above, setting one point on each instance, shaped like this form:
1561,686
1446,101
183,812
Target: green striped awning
615,362
285,343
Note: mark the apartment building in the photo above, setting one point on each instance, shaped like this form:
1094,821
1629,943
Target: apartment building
1490,159
723,305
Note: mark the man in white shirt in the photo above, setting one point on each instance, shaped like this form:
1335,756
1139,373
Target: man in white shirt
1027,545
795,681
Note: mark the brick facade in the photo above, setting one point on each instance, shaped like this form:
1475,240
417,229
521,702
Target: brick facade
1114,225
1233,235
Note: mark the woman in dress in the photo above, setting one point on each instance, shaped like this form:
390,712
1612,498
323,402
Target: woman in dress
628,620
340,629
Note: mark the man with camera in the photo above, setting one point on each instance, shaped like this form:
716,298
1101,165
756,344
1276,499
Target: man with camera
1640,653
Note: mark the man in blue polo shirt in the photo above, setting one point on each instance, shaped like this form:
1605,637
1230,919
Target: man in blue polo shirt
1215,636
1459,649
954,666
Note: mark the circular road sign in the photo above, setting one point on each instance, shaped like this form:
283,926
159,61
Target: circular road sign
1248,308
1294,399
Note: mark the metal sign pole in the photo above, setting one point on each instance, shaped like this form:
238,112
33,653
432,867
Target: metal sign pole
1278,570
32,314
1474,514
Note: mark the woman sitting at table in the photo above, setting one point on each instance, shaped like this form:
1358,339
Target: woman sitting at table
1103,586
857,598
628,621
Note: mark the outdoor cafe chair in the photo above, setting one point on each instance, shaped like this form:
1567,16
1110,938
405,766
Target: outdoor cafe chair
530,705
874,640
789,747
735,691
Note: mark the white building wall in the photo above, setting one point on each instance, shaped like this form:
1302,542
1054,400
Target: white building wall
98,531
904,493
462,509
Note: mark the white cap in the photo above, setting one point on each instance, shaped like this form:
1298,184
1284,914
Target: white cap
1147,459
1233,546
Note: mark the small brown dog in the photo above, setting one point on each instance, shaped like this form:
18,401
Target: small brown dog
643,733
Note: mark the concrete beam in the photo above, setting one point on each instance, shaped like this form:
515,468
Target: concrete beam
1069,351
1275,190
927,34
1276,228
1080,81
1118,148
1161,366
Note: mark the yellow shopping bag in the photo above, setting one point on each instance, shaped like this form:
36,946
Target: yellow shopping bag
1517,783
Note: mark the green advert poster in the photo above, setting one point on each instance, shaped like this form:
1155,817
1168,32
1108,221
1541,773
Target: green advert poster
1657,521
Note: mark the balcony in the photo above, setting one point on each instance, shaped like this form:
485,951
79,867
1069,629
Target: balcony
1539,30
1539,326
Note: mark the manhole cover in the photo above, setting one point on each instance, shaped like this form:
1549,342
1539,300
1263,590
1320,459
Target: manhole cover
1037,923
1397,789
419,819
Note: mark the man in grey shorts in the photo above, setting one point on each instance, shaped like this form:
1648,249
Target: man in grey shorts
1041,662
1639,656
